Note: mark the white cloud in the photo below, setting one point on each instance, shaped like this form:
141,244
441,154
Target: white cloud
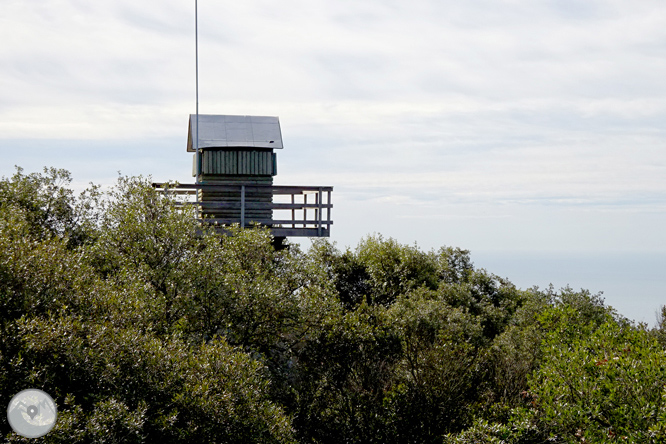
440,109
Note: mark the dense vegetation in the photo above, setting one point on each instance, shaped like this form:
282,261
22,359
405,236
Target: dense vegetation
146,327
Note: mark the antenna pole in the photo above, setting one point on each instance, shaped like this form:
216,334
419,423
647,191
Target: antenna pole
196,58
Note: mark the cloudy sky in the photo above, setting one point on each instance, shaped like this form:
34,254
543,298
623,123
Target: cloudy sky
531,132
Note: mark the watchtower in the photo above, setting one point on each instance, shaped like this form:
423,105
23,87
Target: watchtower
234,169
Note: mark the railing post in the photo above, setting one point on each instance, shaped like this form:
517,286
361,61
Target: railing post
320,197
293,210
317,208
242,215
328,211
305,209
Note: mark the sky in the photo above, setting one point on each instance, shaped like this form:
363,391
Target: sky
530,132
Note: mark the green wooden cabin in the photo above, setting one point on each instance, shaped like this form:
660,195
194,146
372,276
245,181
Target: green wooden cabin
235,150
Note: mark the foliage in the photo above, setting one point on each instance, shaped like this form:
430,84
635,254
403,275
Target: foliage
440,366
598,382
49,206
123,385
97,323
146,326
394,269
660,332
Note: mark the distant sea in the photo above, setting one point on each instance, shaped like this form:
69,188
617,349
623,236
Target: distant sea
633,283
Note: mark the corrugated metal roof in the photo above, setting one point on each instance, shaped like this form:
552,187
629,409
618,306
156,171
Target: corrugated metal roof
219,131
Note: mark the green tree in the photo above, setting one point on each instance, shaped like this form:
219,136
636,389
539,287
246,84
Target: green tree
394,269
440,368
49,207
90,322
123,385
147,326
344,372
349,276
600,382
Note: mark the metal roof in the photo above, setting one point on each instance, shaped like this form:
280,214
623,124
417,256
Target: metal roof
218,131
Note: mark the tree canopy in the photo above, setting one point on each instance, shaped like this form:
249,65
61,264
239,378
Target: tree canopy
145,326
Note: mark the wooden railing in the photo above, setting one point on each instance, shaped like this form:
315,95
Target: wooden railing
305,210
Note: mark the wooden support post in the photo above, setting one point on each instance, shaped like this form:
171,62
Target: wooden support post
328,210
317,208
305,210
318,216
293,210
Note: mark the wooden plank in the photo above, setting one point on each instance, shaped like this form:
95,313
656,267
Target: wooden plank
288,232
253,205
299,232
299,188
179,192
293,210
263,221
289,221
318,216
277,189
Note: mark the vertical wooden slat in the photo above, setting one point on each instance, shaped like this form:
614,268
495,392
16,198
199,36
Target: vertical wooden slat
319,198
238,162
305,210
318,208
293,210
328,211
